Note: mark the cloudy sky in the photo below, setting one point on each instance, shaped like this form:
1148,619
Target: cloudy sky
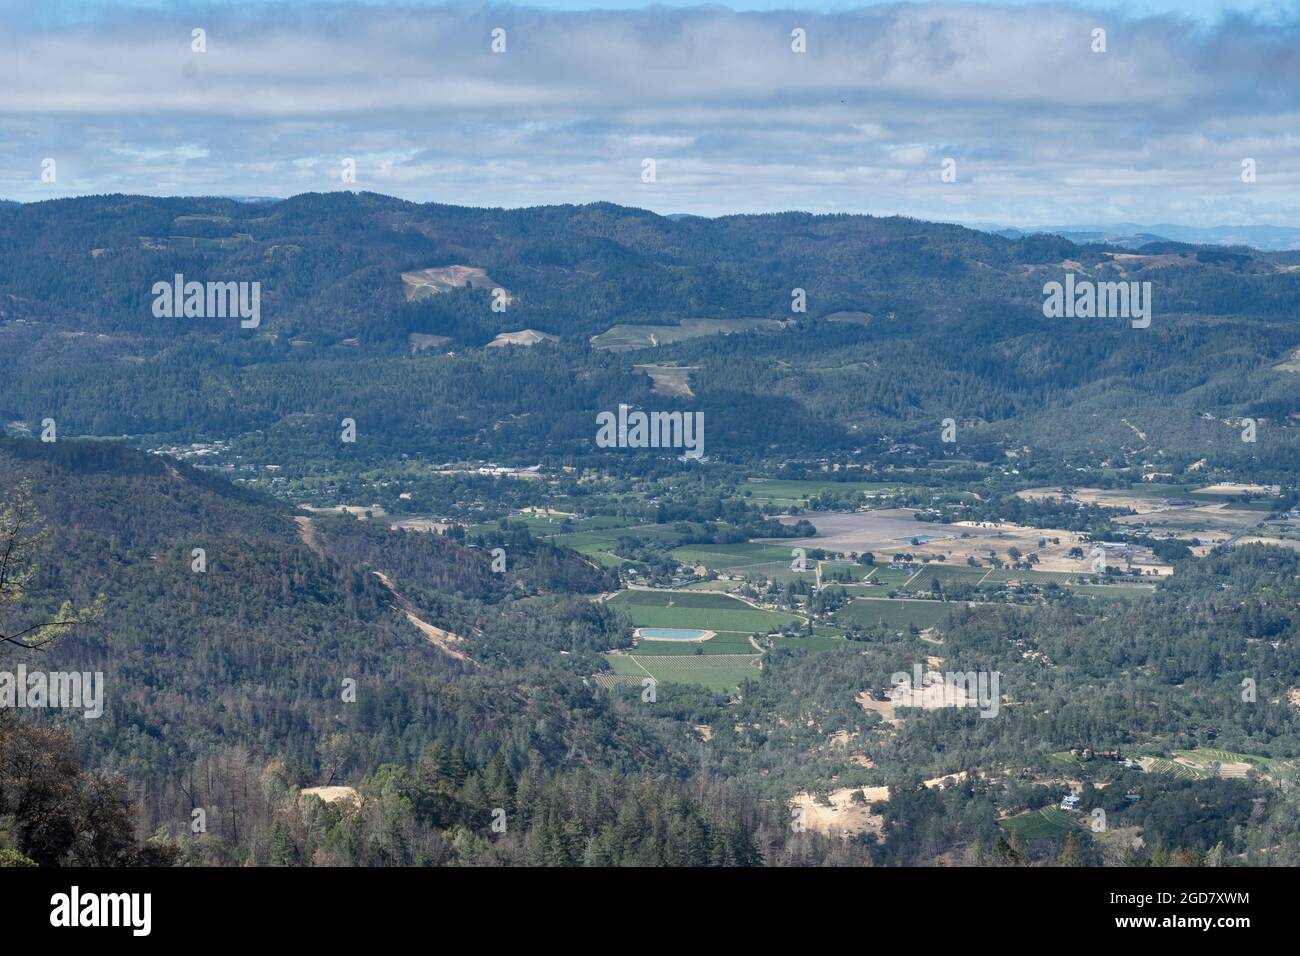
1041,129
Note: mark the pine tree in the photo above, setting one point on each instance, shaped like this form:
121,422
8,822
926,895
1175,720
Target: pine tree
284,851
1071,854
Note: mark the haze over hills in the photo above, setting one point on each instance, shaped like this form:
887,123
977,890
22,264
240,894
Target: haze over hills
1131,235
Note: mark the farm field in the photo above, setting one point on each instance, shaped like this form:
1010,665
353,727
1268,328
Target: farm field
598,543
947,574
1146,497
1211,512
1038,824
790,493
671,380
726,557
883,579
719,673
422,283
725,643
705,610
767,562
833,571
609,537
1204,762
888,531
1111,592
626,338
1173,768
897,613
724,586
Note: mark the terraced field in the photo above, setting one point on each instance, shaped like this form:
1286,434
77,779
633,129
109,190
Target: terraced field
1173,768
1209,762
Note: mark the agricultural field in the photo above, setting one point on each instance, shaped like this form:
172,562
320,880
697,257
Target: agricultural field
627,338
896,613
1213,513
672,380
719,673
1040,824
704,610
1181,771
1291,364
724,586
723,643
1203,762
767,562
881,579
734,557
792,493
833,571
1111,592
946,574
1285,534
599,544
889,531
422,283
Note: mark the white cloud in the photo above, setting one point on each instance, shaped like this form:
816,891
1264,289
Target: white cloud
1042,128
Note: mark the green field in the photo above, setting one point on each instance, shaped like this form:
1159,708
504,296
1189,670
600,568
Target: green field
1174,769
1110,592
832,570
885,612
705,610
710,586
947,574
723,557
884,578
625,338
1204,760
724,643
597,538
720,674
793,491
1063,758
1204,756
1038,824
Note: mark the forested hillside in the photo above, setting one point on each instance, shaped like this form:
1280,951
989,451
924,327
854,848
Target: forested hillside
905,323
228,693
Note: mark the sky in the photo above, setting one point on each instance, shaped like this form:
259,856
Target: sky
986,113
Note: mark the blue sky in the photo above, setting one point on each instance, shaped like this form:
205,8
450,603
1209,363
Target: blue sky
1033,123
1207,10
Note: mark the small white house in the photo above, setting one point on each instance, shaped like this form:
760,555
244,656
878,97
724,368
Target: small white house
1071,803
